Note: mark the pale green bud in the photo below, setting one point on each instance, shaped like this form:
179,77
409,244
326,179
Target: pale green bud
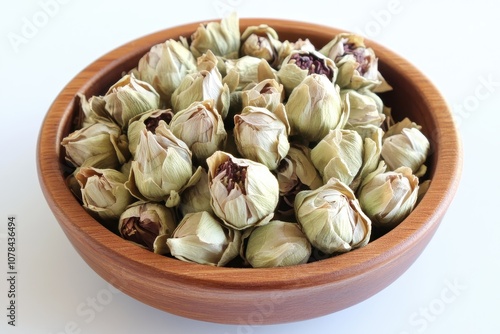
148,224
331,218
314,108
277,244
339,155
161,166
389,197
266,94
222,38
103,192
251,70
358,64
99,145
200,238
408,148
149,121
244,192
262,135
196,197
130,97
201,127
300,64
365,108
262,42
164,66
295,173
203,85
94,110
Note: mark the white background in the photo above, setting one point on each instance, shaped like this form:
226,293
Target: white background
451,288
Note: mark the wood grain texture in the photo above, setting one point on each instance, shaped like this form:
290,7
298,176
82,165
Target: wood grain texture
254,296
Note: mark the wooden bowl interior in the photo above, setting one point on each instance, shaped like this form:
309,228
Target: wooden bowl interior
225,295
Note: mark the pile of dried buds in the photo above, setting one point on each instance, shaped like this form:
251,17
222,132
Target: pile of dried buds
239,149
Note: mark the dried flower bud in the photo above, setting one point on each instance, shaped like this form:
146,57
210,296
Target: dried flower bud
103,192
93,110
389,197
277,244
161,166
331,218
200,238
339,155
203,85
149,121
164,66
262,42
358,65
266,94
244,193
201,127
250,70
314,108
261,135
299,64
295,173
408,148
365,108
148,224
222,38
196,197
99,145
287,48
372,146
130,97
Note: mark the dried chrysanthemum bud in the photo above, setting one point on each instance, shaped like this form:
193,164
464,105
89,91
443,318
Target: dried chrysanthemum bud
389,197
286,48
262,42
99,145
299,64
93,110
357,64
102,192
164,66
149,121
201,127
161,166
372,146
196,197
277,244
331,218
266,94
200,238
148,224
339,154
365,108
250,70
262,135
222,38
244,192
130,97
203,85
314,108
408,148
295,173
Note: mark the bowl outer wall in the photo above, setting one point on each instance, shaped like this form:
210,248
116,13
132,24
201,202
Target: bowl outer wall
251,295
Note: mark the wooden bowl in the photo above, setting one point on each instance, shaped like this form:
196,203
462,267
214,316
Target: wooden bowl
248,295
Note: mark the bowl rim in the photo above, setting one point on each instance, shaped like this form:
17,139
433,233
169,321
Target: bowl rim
73,218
